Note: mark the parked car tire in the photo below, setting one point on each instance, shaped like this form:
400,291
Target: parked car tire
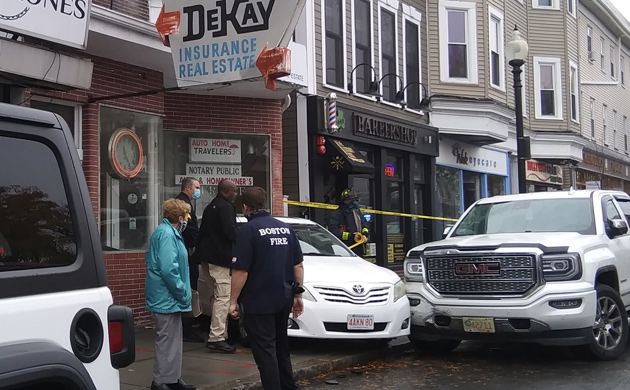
610,331
435,347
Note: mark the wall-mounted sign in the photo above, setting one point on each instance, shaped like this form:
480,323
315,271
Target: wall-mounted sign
299,67
212,180
44,19
472,158
215,150
388,131
543,173
220,40
217,170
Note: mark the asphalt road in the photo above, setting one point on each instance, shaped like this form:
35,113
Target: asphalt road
478,366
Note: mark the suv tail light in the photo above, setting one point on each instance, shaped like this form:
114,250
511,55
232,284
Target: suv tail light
122,338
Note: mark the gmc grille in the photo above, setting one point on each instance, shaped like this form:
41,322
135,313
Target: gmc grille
465,274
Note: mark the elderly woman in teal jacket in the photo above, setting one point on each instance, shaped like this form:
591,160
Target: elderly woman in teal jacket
168,294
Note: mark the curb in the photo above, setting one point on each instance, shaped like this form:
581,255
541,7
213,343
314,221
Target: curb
314,367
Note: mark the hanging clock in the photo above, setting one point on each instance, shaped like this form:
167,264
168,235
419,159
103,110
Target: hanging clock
125,153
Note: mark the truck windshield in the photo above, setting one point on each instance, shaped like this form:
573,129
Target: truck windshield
529,216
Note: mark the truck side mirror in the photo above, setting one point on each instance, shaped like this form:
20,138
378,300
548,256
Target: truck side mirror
618,227
446,231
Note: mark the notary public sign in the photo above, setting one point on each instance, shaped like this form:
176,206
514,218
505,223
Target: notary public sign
219,41
61,21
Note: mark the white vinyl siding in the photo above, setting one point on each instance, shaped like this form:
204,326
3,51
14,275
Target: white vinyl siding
548,87
458,42
497,58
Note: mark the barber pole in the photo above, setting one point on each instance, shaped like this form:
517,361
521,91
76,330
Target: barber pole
331,101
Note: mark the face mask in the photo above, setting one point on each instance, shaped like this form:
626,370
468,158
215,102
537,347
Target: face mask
197,193
182,226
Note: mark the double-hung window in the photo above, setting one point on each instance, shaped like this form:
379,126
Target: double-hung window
575,102
625,133
362,38
605,123
497,63
546,4
458,42
622,71
548,87
572,8
612,61
614,123
592,109
411,59
389,50
589,42
334,42
601,54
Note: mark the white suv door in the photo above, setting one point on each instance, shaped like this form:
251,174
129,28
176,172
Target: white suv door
619,242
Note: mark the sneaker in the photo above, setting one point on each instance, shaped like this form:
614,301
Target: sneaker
220,346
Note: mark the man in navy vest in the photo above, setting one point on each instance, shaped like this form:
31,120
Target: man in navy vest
267,276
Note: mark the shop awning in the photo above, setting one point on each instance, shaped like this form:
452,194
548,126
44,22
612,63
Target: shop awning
343,156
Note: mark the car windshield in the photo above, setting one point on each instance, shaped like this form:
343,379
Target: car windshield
529,216
317,241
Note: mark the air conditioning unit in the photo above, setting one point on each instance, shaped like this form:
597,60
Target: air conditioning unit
591,56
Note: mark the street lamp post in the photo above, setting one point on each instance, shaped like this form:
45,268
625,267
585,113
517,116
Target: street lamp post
516,53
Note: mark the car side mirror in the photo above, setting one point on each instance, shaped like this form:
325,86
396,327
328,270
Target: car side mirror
618,227
446,231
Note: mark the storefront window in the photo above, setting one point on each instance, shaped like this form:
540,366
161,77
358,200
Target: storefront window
472,188
496,185
212,157
448,187
130,178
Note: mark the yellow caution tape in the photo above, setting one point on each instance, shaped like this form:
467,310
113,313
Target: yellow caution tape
327,206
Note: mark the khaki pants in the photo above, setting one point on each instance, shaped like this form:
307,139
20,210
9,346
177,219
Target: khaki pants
219,284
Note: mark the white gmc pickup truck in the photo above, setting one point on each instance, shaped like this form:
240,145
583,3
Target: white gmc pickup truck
550,268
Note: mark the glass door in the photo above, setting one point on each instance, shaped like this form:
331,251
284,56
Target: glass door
363,185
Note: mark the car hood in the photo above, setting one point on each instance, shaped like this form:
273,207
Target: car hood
345,269
548,240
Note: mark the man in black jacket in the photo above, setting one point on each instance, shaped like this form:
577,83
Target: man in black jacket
217,236
191,190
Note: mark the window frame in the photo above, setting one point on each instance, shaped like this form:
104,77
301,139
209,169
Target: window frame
572,4
614,121
589,42
415,17
612,62
573,66
78,118
625,134
602,42
354,45
470,9
344,87
557,64
592,123
495,13
555,5
385,6
622,73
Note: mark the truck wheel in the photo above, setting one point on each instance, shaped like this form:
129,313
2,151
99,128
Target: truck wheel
610,331
435,347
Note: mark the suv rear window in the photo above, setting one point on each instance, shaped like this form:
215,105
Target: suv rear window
36,228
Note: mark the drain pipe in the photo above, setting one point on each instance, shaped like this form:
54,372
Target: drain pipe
287,103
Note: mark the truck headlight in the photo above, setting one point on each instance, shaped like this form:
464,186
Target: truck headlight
562,267
399,290
414,268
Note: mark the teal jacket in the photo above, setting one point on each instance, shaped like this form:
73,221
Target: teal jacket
167,288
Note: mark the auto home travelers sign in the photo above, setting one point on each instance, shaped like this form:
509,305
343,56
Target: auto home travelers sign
60,21
220,40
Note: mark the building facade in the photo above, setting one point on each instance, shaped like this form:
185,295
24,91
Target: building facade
136,135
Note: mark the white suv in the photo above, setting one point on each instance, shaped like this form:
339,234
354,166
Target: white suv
58,327
551,268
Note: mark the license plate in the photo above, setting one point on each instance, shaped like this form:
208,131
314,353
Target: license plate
478,325
361,321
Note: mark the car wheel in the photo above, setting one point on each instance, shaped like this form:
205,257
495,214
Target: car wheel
610,331
435,347
243,334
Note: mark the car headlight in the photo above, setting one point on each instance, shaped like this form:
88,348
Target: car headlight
414,267
399,290
561,267
308,296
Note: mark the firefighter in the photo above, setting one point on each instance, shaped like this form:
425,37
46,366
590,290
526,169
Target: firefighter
348,224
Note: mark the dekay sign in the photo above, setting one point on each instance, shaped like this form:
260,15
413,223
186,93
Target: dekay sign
60,21
220,40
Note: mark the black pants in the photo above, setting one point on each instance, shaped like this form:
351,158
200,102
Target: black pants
270,346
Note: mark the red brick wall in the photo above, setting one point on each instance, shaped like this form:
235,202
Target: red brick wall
221,114
136,8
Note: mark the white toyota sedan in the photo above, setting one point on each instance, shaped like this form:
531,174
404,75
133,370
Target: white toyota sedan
346,297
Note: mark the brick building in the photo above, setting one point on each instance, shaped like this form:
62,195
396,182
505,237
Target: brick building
136,134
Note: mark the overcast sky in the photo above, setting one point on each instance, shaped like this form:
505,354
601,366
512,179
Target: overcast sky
623,6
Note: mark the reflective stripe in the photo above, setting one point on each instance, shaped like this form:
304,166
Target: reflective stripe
345,236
